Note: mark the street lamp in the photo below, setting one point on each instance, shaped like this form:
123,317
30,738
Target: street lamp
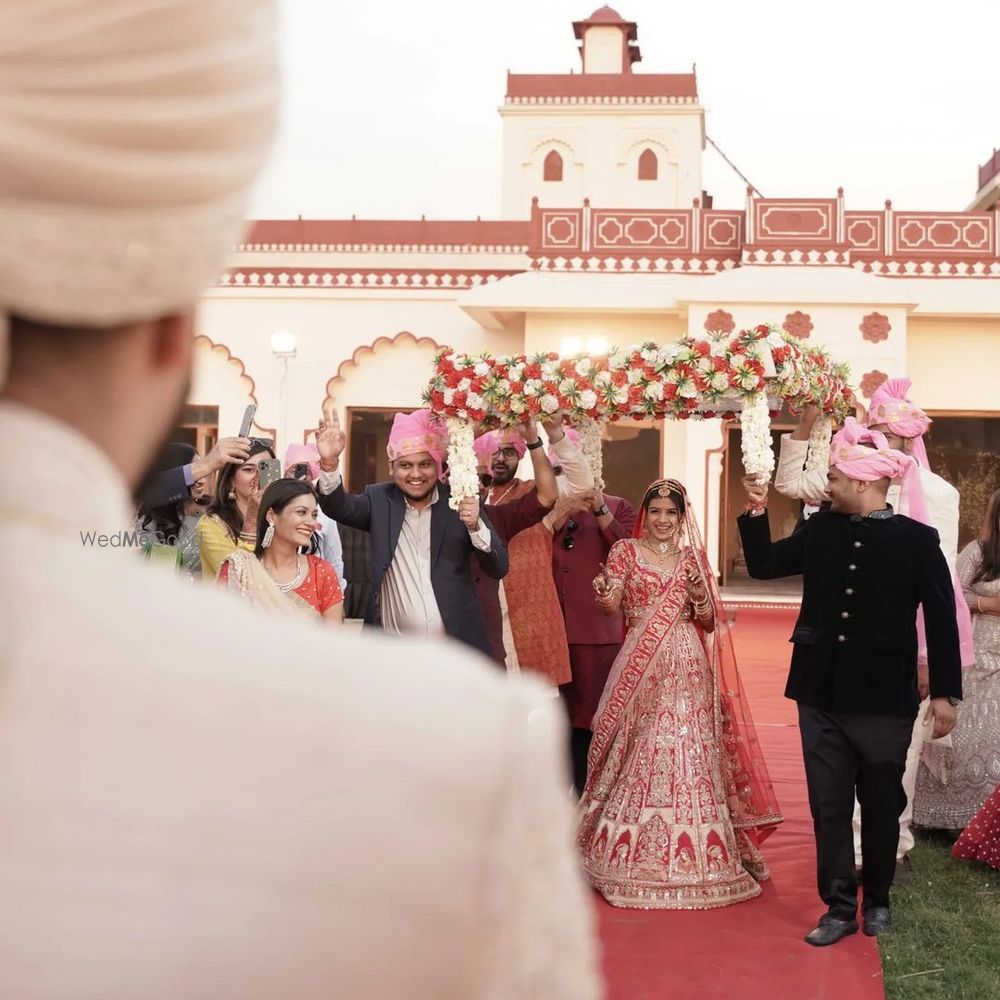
284,348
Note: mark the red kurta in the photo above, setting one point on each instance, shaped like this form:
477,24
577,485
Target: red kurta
536,619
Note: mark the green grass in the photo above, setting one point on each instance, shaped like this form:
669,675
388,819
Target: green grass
945,942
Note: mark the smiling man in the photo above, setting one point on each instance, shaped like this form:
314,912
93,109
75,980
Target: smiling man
422,583
853,673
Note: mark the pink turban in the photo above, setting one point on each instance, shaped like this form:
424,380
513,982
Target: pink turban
296,453
865,455
487,445
413,433
574,438
891,407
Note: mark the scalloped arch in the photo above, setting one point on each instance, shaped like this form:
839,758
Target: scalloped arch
367,349
240,364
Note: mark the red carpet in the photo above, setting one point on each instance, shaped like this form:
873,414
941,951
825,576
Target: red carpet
755,949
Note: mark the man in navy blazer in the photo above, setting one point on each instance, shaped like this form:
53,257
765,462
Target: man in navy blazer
421,581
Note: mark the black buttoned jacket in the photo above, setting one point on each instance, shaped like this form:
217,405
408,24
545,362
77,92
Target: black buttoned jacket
855,641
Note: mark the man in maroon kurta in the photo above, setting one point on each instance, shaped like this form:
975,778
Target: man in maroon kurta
507,520
582,540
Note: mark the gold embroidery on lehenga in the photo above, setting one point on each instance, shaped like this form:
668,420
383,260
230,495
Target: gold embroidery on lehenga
656,828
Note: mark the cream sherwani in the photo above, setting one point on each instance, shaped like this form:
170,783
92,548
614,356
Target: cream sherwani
198,802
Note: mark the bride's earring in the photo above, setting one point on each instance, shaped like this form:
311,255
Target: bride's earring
232,494
268,537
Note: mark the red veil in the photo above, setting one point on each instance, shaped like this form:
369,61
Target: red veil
756,807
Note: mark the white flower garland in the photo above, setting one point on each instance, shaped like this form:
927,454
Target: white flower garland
818,455
463,469
755,421
592,446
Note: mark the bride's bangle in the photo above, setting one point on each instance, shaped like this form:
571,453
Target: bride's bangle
979,605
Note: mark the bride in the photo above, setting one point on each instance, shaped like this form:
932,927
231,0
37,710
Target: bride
678,797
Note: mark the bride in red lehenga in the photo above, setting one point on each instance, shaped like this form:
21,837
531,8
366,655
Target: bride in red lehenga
678,798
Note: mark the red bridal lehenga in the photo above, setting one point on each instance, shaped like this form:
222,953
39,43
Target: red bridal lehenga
678,797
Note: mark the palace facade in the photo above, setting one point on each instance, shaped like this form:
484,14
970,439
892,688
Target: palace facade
607,236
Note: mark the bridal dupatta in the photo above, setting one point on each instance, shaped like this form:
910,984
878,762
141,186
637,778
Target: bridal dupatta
250,580
753,806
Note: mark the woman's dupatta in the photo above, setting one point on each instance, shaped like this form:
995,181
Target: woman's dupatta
250,580
754,806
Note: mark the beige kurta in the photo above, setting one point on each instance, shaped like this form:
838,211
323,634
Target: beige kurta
200,802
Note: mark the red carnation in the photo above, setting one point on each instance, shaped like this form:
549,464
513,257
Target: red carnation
702,348
669,391
619,377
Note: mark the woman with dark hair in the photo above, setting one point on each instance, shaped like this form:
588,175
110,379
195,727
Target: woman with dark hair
678,797
954,781
280,575
231,521
171,532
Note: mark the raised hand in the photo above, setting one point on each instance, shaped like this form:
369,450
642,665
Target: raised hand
756,491
696,586
468,512
253,509
528,431
227,451
553,425
330,439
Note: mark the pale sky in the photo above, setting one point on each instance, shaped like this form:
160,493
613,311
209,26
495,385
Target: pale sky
390,106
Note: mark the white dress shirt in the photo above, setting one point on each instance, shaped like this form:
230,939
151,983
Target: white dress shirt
407,599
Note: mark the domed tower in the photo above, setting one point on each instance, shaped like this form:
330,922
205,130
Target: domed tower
621,139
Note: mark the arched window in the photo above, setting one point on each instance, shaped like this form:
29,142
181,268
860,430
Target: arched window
648,167
553,168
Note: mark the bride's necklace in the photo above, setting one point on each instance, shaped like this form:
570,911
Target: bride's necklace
295,581
663,549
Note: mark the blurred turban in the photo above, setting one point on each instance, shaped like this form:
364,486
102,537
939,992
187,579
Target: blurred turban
412,433
130,134
865,455
487,445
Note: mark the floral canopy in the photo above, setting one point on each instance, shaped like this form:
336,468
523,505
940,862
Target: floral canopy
750,373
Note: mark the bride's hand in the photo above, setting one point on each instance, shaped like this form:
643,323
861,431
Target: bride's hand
696,586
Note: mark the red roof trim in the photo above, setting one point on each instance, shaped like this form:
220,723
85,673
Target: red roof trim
602,85
390,232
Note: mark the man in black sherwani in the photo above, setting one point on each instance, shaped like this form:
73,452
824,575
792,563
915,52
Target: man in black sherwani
854,666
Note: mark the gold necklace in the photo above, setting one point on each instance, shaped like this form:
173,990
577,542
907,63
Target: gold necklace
663,549
296,581
496,503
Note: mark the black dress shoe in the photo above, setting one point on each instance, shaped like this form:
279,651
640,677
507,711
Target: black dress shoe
877,920
830,930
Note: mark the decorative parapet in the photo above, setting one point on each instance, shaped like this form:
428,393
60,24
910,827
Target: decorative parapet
779,231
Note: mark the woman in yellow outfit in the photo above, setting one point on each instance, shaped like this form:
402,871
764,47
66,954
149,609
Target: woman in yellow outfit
231,521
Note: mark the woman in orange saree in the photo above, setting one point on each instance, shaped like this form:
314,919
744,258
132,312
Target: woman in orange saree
678,798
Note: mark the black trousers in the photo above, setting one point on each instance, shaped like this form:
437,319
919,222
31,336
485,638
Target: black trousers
847,754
